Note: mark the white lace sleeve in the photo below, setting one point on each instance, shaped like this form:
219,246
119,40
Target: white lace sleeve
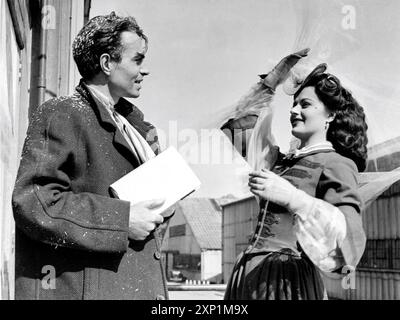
320,229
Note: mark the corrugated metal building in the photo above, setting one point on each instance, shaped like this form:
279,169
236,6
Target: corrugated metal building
192,242
378,274
35,64
239,219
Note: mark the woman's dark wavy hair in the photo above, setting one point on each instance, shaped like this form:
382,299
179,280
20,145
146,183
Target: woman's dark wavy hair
100,35
348,131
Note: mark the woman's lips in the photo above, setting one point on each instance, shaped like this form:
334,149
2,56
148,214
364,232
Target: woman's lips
295,121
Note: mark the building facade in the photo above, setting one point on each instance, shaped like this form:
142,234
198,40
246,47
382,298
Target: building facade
378,274
35,65
192,242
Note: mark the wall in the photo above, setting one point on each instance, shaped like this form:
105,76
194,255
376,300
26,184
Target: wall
14,86
211,265
35,64
238,222
186,244
53,70
378,273
368,285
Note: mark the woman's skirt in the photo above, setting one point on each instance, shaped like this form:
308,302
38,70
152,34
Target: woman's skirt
274,276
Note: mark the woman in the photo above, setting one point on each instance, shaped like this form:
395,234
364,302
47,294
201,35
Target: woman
310,207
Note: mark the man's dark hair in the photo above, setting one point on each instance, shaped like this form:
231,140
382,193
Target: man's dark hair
100,35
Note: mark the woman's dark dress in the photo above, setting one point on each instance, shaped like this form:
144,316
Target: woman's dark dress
274,266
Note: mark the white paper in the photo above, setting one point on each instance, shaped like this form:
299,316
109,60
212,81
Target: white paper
167,176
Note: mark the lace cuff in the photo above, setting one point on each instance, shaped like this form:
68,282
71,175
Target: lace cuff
320,229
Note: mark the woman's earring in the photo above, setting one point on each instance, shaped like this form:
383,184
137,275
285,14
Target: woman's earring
326,125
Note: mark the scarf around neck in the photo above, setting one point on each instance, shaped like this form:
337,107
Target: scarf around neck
137,143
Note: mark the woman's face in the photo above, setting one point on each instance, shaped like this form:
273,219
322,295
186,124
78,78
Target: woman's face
309,118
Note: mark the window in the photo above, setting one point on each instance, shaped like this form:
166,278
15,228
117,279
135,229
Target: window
177,231
187,262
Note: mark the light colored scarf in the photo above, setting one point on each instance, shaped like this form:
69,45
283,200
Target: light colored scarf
137,143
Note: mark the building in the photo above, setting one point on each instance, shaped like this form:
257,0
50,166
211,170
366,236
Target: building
192,243
239,220
378,274
36,64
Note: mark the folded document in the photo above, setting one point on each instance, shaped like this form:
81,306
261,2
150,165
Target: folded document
167,176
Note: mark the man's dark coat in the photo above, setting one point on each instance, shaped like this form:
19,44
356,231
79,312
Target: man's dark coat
66,219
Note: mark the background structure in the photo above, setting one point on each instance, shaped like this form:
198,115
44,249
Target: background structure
35,65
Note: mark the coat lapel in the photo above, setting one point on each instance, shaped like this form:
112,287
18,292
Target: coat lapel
105,119
136,118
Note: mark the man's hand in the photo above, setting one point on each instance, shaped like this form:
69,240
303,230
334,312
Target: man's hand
142,221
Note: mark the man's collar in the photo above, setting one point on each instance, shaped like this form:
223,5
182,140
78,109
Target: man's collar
126,108
101,99
123,107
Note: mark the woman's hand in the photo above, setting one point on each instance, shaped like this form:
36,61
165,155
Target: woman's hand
281,71
269,186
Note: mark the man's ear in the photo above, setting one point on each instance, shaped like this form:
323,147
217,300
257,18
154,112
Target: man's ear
106,64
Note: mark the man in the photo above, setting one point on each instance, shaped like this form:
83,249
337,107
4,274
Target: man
73,240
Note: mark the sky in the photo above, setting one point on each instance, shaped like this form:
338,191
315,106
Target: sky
204,55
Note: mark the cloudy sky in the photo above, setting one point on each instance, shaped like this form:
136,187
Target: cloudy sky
204,55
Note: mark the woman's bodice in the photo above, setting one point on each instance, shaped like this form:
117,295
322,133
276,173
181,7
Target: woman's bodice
275,225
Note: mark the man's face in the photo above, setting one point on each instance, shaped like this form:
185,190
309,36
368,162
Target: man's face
127,75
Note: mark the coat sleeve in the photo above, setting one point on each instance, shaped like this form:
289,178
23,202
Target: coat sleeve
329,227
45,207
339,186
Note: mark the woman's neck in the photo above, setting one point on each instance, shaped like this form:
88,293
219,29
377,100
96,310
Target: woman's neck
312,141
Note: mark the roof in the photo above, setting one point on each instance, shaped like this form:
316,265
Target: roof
226,202
205,219
383,149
